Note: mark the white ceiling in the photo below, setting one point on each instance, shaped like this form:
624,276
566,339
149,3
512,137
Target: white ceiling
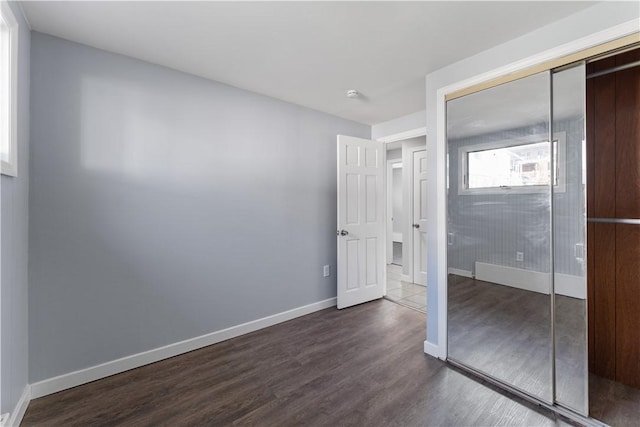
307,53
518,104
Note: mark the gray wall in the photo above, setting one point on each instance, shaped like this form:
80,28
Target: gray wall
491,228
14,240
165,206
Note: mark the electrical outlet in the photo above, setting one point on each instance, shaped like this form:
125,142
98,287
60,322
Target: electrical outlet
326,271
519,256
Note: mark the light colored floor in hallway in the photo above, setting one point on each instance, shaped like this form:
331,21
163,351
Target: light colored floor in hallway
408,294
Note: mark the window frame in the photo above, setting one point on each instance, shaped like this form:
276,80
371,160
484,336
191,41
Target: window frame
560,165
9,111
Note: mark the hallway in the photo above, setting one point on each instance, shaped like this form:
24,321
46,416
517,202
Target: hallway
407,294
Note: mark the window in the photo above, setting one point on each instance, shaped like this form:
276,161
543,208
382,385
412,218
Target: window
517,166
8,90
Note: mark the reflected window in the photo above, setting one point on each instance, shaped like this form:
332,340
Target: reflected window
8,87
508,166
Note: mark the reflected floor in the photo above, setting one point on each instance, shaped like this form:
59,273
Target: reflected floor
613,403
505,332
407,294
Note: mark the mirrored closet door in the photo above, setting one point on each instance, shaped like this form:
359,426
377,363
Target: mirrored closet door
499,233
569,239
516,216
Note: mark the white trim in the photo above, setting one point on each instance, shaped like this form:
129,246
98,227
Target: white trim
589,41
616,32
433,350
519,278
570,285
390,235
24,15
10,167
83,376
418,255
441,218
405,277
396,237
18,412
407,205
408,134
535,281
415,120
459,272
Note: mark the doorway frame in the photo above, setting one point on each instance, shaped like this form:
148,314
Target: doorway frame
400,136
389,216
410,206
629,28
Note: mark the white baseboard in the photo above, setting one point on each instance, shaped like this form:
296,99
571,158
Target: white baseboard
515,277
529,280
406,278
571,286
433,350
458,272
15,417
83,376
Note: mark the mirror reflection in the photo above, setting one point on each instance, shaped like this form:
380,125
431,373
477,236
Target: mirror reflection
543,218
499,233
569,238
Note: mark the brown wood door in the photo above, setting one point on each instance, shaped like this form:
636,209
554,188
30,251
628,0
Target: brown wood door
613,179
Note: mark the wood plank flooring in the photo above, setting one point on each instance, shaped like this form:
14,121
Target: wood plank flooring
502,331
506,333
360,366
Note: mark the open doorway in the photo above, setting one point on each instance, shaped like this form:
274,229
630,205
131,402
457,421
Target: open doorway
405,225
395,214
366,269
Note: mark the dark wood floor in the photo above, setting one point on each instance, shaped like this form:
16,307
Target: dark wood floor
505,332
502,331
614,403
360,366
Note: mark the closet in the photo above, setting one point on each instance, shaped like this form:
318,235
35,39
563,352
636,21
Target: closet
613,206
543,235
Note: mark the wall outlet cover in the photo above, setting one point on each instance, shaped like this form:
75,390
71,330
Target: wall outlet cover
519,256
326,271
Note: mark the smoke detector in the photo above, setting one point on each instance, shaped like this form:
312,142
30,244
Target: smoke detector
353,93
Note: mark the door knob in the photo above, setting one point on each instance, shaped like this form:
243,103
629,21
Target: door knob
343,232
416,225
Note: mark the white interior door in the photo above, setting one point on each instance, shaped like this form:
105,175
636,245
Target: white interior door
361,221
420,217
